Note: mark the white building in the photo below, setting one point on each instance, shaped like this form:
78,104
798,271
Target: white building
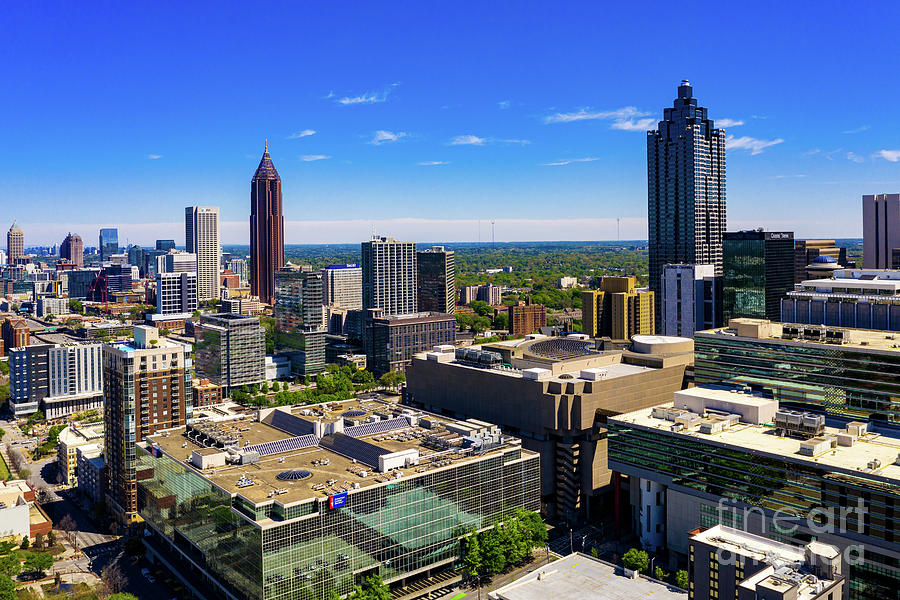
16,505
201,237
52,306
688,299
342,286
60,379
176,261
70,440
565,283
176,293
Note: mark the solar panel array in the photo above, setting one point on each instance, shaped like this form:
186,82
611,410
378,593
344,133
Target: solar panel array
294,443
351,447
288,423
379,427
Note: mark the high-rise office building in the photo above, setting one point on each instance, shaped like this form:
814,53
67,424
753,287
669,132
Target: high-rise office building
58,379
758,271
15,244
165,245
617,310
176,293
389,276
176,261
690,295
342,286
437,280
230,350
201,237
136,257
686,188
109,243
266,229
299,331
881,229
806,251
72,249
147,385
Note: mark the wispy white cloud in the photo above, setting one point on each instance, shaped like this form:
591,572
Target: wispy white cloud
812,152
797,176
314,157
859,129
569,161
633,124
381,137
154,156
432,163
830,155
520,142
302,134
853,156
889,155
468,140
504,104
754,145
367,97
728,123
627,118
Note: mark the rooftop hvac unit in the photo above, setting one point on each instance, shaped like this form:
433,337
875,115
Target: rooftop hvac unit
798,424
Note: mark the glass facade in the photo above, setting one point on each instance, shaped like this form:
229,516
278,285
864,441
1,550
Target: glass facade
109,243
772,483
852,383
273,552
299,332
758,271
230,350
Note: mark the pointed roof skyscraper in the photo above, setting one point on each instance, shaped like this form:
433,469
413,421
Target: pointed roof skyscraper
266,169
266,229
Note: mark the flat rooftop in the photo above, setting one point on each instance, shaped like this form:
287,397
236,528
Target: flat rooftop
578,576
329,471
763,329
883,446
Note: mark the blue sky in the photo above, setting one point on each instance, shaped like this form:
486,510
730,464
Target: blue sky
421,119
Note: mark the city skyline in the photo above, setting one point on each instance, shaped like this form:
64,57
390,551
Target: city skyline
443,137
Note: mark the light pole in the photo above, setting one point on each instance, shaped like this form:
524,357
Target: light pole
652,560
571,542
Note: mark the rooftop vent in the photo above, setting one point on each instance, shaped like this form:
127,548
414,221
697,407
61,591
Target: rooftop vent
293,475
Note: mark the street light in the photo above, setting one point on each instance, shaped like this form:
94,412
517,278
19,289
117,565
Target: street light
651,567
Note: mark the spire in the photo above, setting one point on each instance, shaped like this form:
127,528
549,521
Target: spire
266,169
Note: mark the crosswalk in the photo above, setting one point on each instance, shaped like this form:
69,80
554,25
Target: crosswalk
432,588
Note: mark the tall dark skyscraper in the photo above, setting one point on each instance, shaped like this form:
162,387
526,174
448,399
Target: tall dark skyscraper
72,249
266,229
437,280
758,273
685,189
109,243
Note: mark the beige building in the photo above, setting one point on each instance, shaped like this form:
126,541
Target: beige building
70,439
555,394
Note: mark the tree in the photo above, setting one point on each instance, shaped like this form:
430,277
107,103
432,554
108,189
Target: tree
493,551
51,539
636,560
113,579
276,387
76,306
25,543
123,596
682,579
10,565
38,562
7,588
659,573
164,332
67,526
362,376
481,324
39,540
595,552
264,387
472,558
333,595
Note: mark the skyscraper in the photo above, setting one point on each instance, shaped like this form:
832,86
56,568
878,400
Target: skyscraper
201,236
299,332
437,280
266,229
685,188
389,276
758,273
109,243
690,295
72,249
230,350
165,245
15,244
147,386
881,229
342,286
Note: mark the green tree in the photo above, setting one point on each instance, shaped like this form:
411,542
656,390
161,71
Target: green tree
276,387
501,321
39,540
493,551
481,324
4,367
482,309
636,560
660,574
472,558
51,539
122,596
76,306
10,565
464,321
7,588
595,552
333,595
38,562
375,589
682,579
363,376
264,387
25,543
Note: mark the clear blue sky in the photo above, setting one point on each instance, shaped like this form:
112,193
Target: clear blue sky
121,114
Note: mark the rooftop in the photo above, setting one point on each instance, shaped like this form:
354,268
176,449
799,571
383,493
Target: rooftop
578,576
309,438
807,335
873,454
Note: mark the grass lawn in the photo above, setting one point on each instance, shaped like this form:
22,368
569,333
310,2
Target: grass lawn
4,470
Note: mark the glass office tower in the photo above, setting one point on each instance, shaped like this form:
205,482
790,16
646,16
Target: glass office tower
299,330
109,243
758,271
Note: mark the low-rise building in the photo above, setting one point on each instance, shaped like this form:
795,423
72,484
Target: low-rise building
92,477
70,439
206,393
392,340
20,515
340,492
47,305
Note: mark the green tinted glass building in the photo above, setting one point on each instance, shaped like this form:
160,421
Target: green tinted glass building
846,373
329,499
757,272
299,332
